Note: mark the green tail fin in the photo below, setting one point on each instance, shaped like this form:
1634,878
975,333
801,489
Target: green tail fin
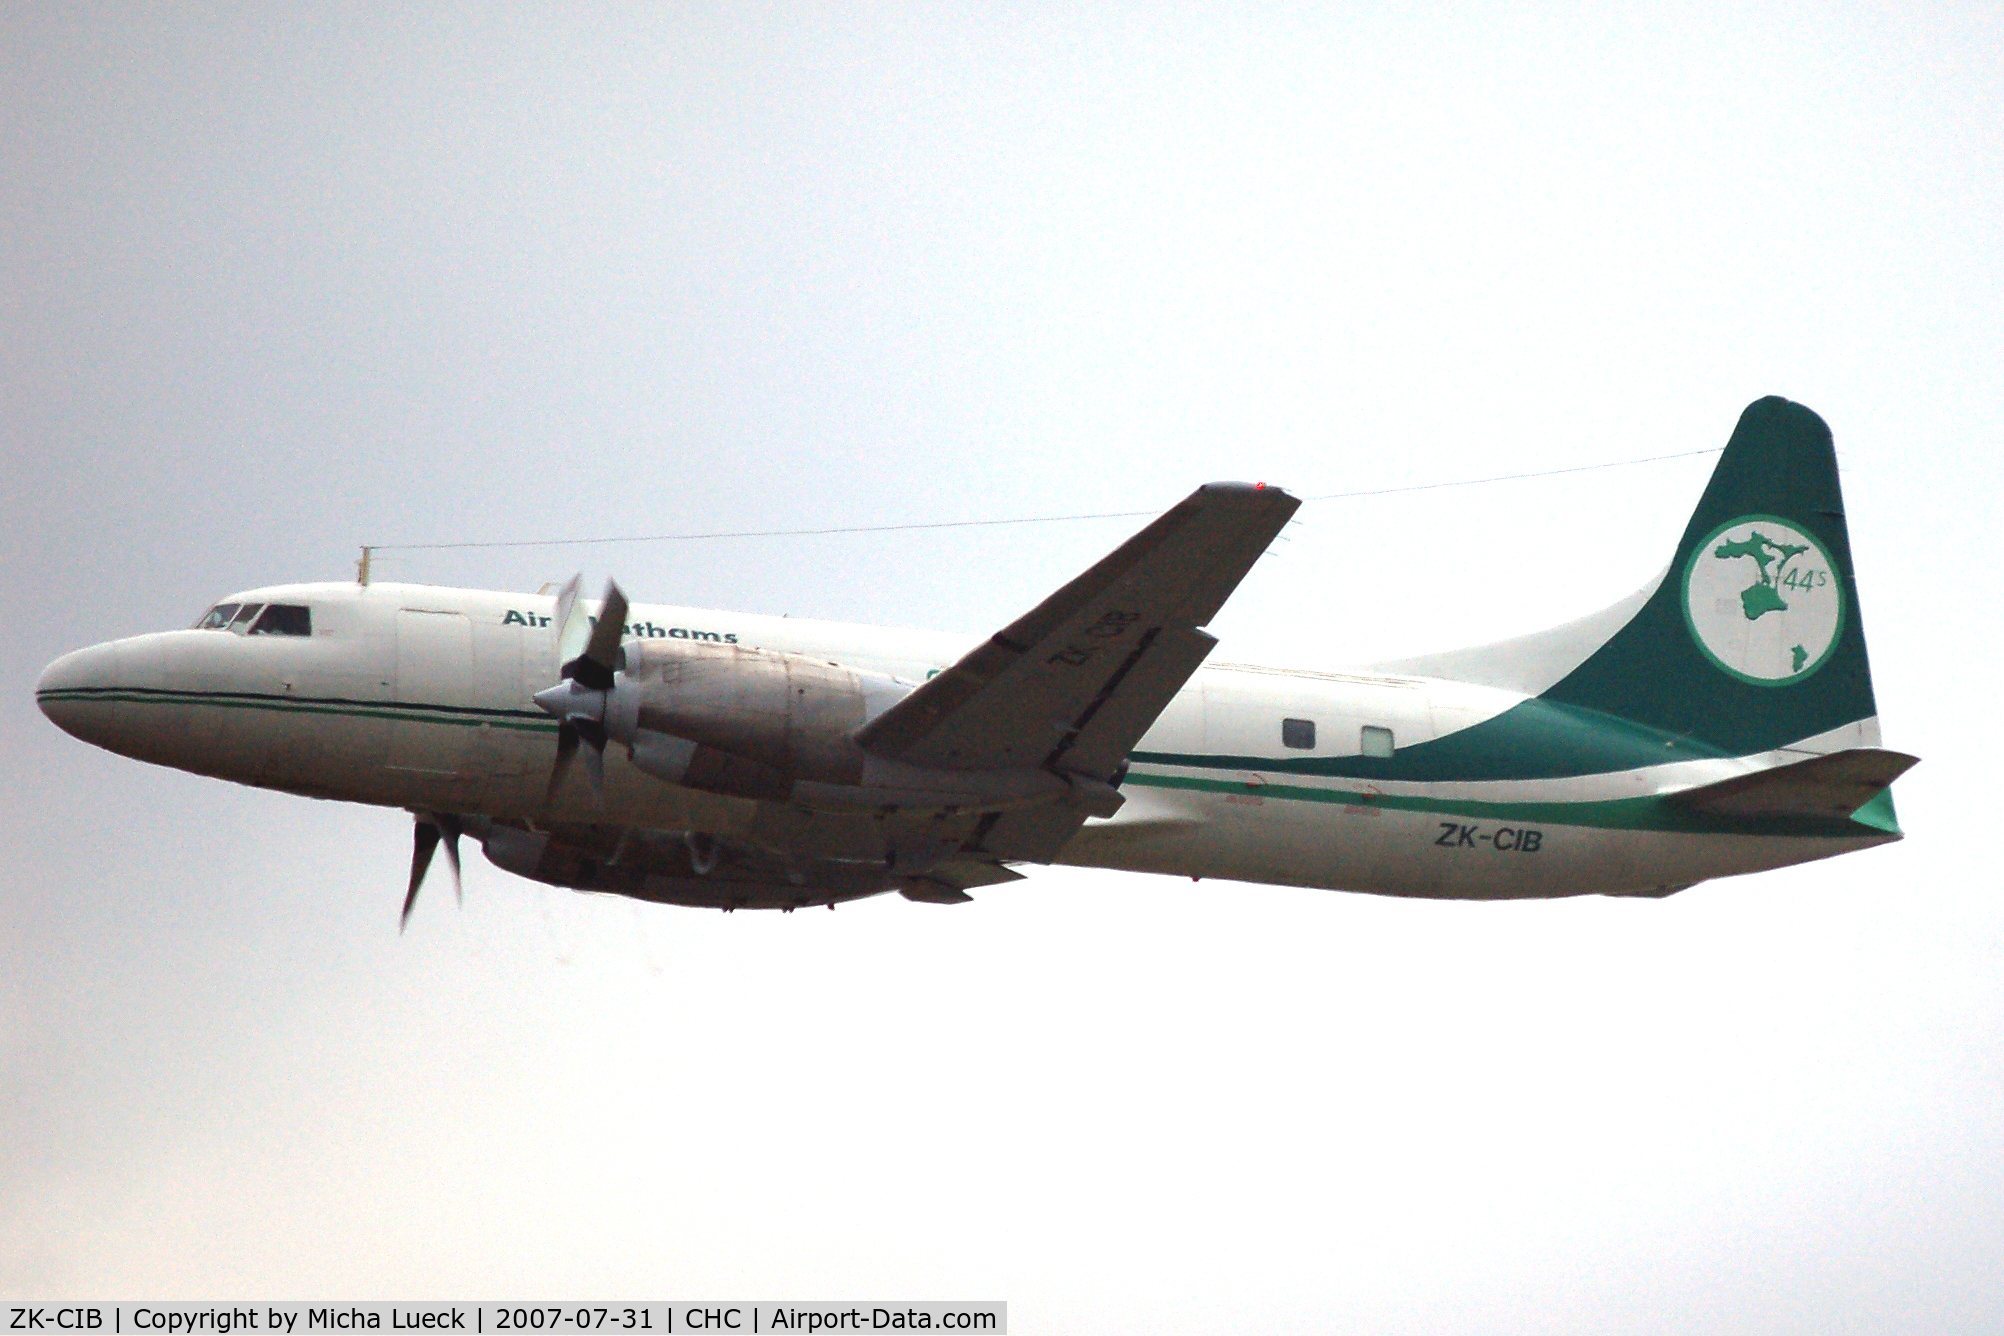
1754,639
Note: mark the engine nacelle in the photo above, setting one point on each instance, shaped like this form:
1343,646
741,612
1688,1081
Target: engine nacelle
776,727
746,722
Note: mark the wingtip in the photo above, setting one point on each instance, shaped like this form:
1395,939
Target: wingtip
1264,490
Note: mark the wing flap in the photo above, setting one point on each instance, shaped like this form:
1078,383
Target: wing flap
1107,729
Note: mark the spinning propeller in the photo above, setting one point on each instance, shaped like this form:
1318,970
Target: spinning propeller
588,658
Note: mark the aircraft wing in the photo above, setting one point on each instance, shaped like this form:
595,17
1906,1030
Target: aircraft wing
1072,685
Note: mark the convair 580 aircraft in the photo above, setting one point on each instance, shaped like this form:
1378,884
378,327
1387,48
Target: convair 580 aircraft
1719,721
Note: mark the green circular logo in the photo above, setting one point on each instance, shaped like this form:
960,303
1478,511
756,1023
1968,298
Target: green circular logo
1764,600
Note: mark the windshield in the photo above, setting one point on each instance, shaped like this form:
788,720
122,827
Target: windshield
284,619
243,619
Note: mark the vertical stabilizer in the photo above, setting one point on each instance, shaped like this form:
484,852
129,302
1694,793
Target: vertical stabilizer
1754,639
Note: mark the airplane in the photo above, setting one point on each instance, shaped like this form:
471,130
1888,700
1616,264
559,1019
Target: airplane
1719,721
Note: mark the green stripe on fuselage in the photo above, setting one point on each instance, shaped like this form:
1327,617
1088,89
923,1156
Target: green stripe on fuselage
466,716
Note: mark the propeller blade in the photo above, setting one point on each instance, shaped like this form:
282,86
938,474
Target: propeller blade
449,828
567,746
572,627
592,732
578,701
424,840
594,668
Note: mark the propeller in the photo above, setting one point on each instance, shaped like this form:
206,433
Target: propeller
432,829
573,628
587,664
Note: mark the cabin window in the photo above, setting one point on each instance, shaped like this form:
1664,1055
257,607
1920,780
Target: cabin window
284,619
1377,742
1299,733
245,616
216,618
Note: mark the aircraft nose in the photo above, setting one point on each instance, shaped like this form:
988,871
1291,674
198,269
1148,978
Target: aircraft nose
79,692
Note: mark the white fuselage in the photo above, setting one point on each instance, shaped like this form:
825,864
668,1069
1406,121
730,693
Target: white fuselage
419,697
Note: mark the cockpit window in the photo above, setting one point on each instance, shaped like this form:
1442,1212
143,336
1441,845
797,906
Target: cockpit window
285,619
216,618
244,616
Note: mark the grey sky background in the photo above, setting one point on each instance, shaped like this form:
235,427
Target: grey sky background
279,282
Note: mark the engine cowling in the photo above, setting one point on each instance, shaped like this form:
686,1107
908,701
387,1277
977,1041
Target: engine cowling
750,723
778,727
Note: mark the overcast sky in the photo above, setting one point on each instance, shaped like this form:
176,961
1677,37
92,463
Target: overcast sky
281,281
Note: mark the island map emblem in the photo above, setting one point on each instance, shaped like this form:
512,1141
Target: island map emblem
1763,600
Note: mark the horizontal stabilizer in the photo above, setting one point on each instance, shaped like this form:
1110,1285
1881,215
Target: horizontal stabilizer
1823,786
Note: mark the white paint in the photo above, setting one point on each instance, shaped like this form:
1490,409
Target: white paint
1248,818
